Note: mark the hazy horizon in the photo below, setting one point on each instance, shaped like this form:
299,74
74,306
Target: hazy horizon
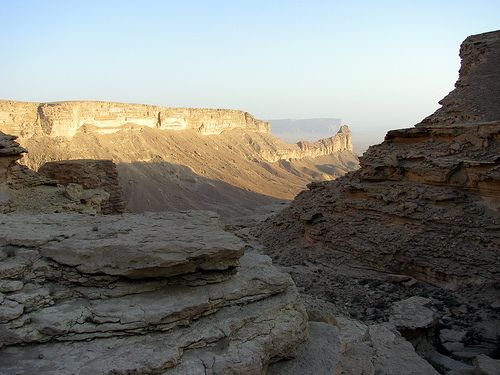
376,65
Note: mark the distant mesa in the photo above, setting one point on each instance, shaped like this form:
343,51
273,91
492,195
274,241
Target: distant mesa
65,119
311,130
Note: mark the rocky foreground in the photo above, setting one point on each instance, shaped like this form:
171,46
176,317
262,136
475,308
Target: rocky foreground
160,293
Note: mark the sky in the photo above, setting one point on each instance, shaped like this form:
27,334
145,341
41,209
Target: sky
377,65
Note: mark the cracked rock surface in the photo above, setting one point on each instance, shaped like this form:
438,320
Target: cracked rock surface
154,293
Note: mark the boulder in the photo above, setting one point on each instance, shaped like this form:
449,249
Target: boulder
412,314
318,355
90,174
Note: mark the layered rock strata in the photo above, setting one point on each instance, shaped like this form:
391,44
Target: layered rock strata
426,201
340,142
12,173
10,152
178,158
159,293
419,218
90,174
64,119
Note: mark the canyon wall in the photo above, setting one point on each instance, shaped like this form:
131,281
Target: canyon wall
342,141
178,158
426,201
64,119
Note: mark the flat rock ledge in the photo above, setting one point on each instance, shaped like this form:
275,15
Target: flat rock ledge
133,246
162,293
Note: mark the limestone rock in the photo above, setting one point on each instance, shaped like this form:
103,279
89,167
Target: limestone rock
152,245
412,314
425,202
424,208
318,355
235,314
90,174
10,310
65,119
10,151
177,159
73,191
381,350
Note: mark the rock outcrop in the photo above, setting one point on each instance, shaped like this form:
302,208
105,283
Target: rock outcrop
65,119
10,152
422,209
160,293
426,201
26,191
340,142
90,174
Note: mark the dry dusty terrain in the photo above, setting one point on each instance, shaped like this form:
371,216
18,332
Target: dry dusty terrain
235,173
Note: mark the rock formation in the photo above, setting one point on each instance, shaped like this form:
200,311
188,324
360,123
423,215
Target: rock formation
424,207
10,152
90,174
65,119
159,293
218,160
24,190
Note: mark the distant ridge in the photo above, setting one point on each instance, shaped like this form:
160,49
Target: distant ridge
295,130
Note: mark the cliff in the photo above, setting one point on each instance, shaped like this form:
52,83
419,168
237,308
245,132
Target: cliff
441,176
424,208
179,158
64,119
340,142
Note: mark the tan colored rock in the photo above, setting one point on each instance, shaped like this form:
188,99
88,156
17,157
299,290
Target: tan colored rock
424,205
90,174
217,160
65,119
425,202
73,191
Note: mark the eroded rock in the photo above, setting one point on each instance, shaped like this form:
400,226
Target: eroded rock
208,308
151,245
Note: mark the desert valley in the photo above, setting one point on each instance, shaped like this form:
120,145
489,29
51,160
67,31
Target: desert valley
139,239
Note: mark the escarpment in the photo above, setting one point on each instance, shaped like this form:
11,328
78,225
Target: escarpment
179,158
419,219
426,201
64,119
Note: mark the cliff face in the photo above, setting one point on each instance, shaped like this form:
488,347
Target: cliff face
178,158
340,142
426,201
419,219
64,119
476,96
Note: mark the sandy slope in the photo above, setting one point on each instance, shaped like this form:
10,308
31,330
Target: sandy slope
176,170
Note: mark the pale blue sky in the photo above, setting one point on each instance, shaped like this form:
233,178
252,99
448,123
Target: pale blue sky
378,65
